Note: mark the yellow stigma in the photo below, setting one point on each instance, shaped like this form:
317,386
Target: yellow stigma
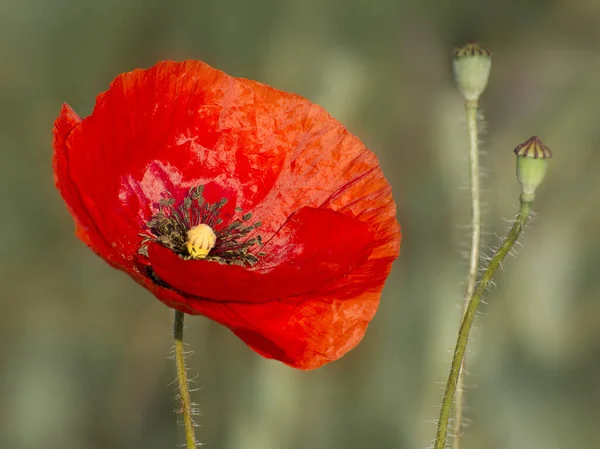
201,239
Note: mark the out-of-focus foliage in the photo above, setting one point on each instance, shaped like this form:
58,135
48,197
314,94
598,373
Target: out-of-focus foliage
84,350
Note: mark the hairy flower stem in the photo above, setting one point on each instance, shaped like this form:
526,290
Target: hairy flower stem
467,322
471,111
182,382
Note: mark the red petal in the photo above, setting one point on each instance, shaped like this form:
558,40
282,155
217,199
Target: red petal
303,331
85,227
164,130
315,247
326,167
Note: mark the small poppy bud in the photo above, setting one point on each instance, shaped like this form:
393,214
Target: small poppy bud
472,64
201,239
531,166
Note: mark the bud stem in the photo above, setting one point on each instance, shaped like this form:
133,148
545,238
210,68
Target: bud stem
471,111
182,382
467,322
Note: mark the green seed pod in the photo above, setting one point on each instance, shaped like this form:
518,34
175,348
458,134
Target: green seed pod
531,166
472,64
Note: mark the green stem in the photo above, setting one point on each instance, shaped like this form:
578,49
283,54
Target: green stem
467,322
471,111
182,382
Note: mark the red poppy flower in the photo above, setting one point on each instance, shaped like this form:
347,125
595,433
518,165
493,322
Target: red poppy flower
230,199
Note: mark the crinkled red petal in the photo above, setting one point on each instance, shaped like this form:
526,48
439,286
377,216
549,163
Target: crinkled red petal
156,133
76,199
304,331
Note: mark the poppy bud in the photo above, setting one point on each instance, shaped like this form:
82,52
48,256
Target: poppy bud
472,64
201,239
531,166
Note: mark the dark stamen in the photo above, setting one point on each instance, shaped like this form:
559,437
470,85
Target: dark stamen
170,225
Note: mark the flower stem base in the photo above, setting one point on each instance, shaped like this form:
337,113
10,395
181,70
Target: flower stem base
182,382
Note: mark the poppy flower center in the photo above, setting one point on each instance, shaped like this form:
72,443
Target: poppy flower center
201,239
193,230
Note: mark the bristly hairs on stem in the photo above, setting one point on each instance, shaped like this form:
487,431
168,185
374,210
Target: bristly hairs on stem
472,64
187,407
532,158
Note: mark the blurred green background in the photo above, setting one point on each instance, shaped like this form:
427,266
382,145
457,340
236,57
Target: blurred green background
84,350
